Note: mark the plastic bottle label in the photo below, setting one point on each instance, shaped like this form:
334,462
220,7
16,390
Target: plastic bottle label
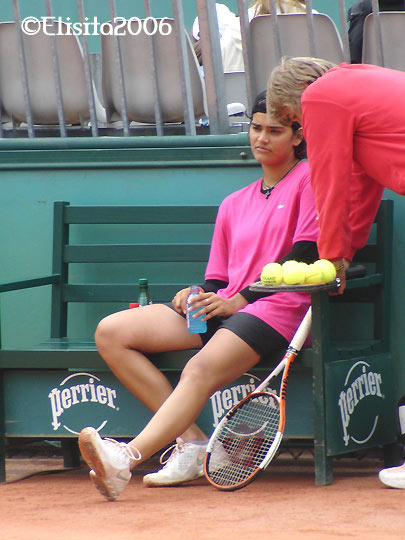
195,325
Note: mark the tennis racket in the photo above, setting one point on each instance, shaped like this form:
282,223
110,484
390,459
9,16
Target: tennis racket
248,436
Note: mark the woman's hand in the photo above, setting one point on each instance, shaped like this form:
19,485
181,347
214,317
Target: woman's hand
211,304
180,300
341,266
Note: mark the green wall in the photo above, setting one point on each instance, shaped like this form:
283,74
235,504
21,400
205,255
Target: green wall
137,170
119,171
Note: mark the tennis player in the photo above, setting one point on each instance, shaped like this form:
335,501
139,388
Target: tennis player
353,118
272,219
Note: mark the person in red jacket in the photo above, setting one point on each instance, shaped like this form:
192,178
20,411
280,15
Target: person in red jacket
353,118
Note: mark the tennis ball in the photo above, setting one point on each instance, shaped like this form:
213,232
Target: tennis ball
314,275
327,268
293,274
291,263
272,274
303,265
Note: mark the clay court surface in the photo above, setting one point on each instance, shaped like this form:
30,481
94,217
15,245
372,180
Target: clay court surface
282,503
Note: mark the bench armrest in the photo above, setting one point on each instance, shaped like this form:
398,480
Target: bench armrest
29,283
366,281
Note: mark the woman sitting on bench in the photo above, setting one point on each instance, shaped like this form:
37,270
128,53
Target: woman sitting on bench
272,219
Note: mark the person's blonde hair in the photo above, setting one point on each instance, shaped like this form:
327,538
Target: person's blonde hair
262,7
287,83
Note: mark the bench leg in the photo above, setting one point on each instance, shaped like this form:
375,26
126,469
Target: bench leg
323,466
321,353
71,453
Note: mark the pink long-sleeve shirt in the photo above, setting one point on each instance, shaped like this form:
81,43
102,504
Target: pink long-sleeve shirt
354,124
251,231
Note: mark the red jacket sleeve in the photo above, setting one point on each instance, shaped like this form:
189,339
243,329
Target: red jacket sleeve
346,202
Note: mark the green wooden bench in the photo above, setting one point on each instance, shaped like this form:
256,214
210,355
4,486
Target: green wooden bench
340,392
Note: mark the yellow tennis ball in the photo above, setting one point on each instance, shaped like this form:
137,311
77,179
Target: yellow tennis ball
289,264
328,269
293,274
272,274
303,265
314,275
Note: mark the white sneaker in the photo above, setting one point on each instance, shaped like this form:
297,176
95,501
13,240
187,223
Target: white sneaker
109,460
186,462
393,476
219,459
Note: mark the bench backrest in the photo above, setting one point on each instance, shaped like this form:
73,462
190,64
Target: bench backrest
369,305
170,246
173,240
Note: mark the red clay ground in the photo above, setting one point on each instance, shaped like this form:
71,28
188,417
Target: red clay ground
283,503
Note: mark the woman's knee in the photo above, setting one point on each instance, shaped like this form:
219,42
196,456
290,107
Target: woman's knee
200,374
108,332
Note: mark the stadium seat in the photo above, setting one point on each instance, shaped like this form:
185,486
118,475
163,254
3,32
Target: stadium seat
393,40
295,41
137,70
41,77
235,87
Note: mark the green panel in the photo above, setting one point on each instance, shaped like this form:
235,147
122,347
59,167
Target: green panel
126,152
67,401
360,406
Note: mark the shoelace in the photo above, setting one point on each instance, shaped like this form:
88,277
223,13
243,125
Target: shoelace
123,448
177,448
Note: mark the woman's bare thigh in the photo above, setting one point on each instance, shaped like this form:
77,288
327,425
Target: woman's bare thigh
222,360
153,328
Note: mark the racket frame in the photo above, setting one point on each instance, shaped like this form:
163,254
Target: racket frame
284,365
258,286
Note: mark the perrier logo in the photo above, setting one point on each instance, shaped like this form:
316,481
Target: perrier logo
362,388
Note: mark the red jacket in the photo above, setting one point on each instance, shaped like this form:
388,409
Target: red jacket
354,124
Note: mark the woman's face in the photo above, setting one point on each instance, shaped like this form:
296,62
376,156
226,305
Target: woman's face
271,142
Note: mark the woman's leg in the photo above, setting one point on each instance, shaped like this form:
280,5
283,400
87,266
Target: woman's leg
222,360
123,337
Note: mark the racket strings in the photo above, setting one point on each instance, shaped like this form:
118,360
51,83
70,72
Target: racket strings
244,442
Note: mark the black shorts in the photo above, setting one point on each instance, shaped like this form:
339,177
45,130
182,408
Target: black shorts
261,337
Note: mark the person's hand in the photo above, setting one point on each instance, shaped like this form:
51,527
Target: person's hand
180,300
211,304
341,266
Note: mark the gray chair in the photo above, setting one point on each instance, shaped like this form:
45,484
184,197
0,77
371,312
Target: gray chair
41,78
236,96
295,41
235,87
137,68
393,40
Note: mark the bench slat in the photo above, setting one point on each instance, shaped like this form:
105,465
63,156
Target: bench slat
118,292
112,253
139,214
57,354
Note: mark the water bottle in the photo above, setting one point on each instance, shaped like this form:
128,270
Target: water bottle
144,298
195,326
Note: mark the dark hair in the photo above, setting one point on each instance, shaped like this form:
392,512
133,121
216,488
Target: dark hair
260,106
